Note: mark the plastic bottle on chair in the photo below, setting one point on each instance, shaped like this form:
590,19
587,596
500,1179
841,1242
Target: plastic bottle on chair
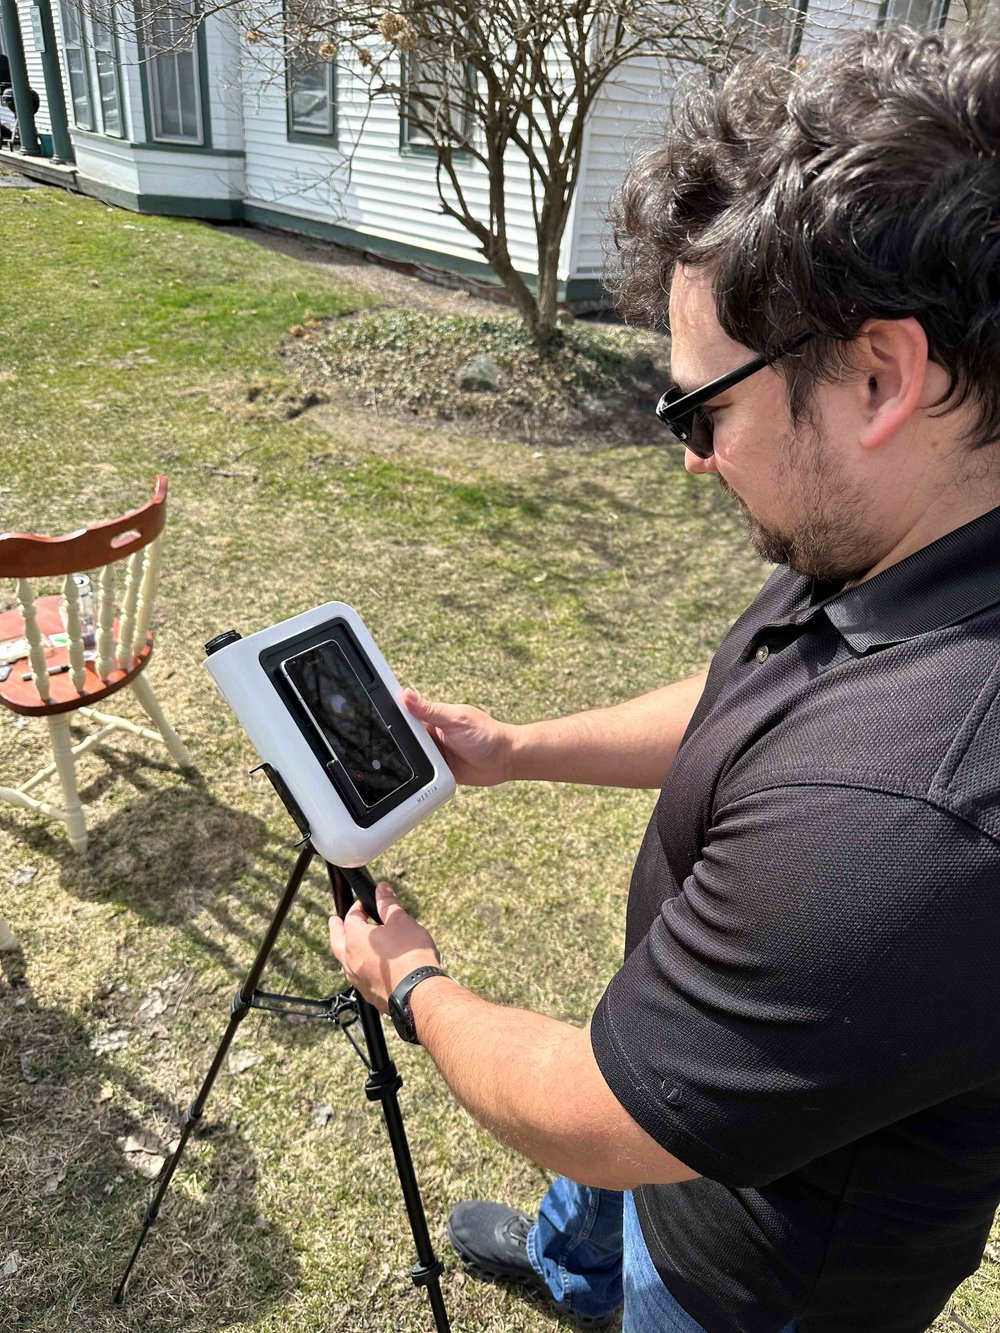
88,614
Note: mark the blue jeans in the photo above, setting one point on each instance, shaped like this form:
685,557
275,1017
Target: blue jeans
588,1247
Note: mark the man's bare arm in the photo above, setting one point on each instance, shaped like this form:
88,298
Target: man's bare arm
535,1085
631,744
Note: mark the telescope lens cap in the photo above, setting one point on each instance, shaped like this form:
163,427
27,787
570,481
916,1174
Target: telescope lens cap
222,640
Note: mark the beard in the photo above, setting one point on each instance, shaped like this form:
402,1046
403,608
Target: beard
831,539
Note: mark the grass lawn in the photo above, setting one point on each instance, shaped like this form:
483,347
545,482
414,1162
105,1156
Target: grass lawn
530,580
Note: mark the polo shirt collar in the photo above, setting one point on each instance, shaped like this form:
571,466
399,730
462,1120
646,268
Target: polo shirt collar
939,585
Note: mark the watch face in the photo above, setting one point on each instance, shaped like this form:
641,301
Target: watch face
402,1020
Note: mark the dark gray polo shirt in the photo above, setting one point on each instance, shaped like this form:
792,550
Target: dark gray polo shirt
807,1013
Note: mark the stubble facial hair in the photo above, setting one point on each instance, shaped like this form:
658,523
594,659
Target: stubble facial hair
831,540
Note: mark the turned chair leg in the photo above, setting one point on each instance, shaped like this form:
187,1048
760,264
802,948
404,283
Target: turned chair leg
62,752
151,705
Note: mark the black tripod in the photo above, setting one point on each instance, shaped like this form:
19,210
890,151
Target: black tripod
382,1084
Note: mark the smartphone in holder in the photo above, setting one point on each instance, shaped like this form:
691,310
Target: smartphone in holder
325,713
366,763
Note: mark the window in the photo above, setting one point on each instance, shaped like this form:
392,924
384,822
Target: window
77,66
309,70
175,74
109,96
436,103
773,25
918,13
92,66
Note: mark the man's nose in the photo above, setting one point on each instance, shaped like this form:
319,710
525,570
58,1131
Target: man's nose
696,465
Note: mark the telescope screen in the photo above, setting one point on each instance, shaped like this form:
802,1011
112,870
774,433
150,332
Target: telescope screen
341,709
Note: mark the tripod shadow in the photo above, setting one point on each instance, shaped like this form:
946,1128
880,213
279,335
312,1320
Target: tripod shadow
71,1178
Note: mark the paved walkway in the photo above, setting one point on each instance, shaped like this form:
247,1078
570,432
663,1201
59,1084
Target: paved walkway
10,180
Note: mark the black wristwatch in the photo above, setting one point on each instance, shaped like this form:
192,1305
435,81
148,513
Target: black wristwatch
399,1001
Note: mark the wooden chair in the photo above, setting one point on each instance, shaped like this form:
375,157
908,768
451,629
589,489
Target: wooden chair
68,675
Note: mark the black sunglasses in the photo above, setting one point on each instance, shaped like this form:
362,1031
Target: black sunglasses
680,411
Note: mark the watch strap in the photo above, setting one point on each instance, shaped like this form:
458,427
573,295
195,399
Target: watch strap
399,1000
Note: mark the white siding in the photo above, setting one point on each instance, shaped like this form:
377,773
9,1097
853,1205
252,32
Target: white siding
225,102
107,161
383,191
33,60
632,112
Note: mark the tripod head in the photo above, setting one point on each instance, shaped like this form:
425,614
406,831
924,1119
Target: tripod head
323,710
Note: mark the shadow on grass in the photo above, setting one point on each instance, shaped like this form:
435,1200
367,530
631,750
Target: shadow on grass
176,856
73,1199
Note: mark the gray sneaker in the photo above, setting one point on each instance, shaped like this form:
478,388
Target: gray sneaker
492,1242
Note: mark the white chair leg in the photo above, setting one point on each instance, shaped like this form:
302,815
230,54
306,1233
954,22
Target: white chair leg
62,752
7,941
150,704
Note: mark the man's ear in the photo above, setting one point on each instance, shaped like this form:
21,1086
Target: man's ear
893,362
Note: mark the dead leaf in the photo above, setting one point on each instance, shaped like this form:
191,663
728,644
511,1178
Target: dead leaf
241,1061
110,1041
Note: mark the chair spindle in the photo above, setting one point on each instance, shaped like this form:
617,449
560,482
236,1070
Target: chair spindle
126,630
147,596
36,654
74,628
106,619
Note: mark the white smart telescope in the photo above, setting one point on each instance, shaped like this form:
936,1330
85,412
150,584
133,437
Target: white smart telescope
323,710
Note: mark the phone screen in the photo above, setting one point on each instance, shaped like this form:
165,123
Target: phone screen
353,728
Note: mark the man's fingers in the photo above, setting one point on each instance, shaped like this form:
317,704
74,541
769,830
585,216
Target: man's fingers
337,938
433,714
357,919
387,903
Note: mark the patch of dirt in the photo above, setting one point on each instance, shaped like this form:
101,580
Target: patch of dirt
271,399
388,286
595,385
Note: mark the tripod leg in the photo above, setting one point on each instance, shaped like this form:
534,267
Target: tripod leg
240,1008
383,1085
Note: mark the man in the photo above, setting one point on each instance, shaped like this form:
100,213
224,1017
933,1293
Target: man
785,1111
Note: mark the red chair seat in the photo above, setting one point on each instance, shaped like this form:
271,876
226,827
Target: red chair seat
21,696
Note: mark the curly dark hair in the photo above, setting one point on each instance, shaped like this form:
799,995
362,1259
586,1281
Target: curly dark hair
862,184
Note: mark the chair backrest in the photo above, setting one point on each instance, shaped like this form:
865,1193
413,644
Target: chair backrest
130,543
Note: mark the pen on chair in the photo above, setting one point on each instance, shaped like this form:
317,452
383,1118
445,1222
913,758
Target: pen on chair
53,671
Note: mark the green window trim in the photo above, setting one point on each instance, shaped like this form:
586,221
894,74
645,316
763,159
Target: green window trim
295,131
891,11
430,150
114,65
145,61
76,55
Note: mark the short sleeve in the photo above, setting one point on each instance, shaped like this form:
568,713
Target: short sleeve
830,967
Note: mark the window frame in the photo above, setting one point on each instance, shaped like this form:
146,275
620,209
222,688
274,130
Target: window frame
149,83
406,146
294,133
71,11
937,16
114,53
783,34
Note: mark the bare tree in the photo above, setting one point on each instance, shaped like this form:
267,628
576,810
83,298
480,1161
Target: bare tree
509,85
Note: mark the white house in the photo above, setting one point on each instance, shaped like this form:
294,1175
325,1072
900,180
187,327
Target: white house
200,124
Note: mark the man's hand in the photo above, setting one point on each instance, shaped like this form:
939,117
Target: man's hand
376,958
477,747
